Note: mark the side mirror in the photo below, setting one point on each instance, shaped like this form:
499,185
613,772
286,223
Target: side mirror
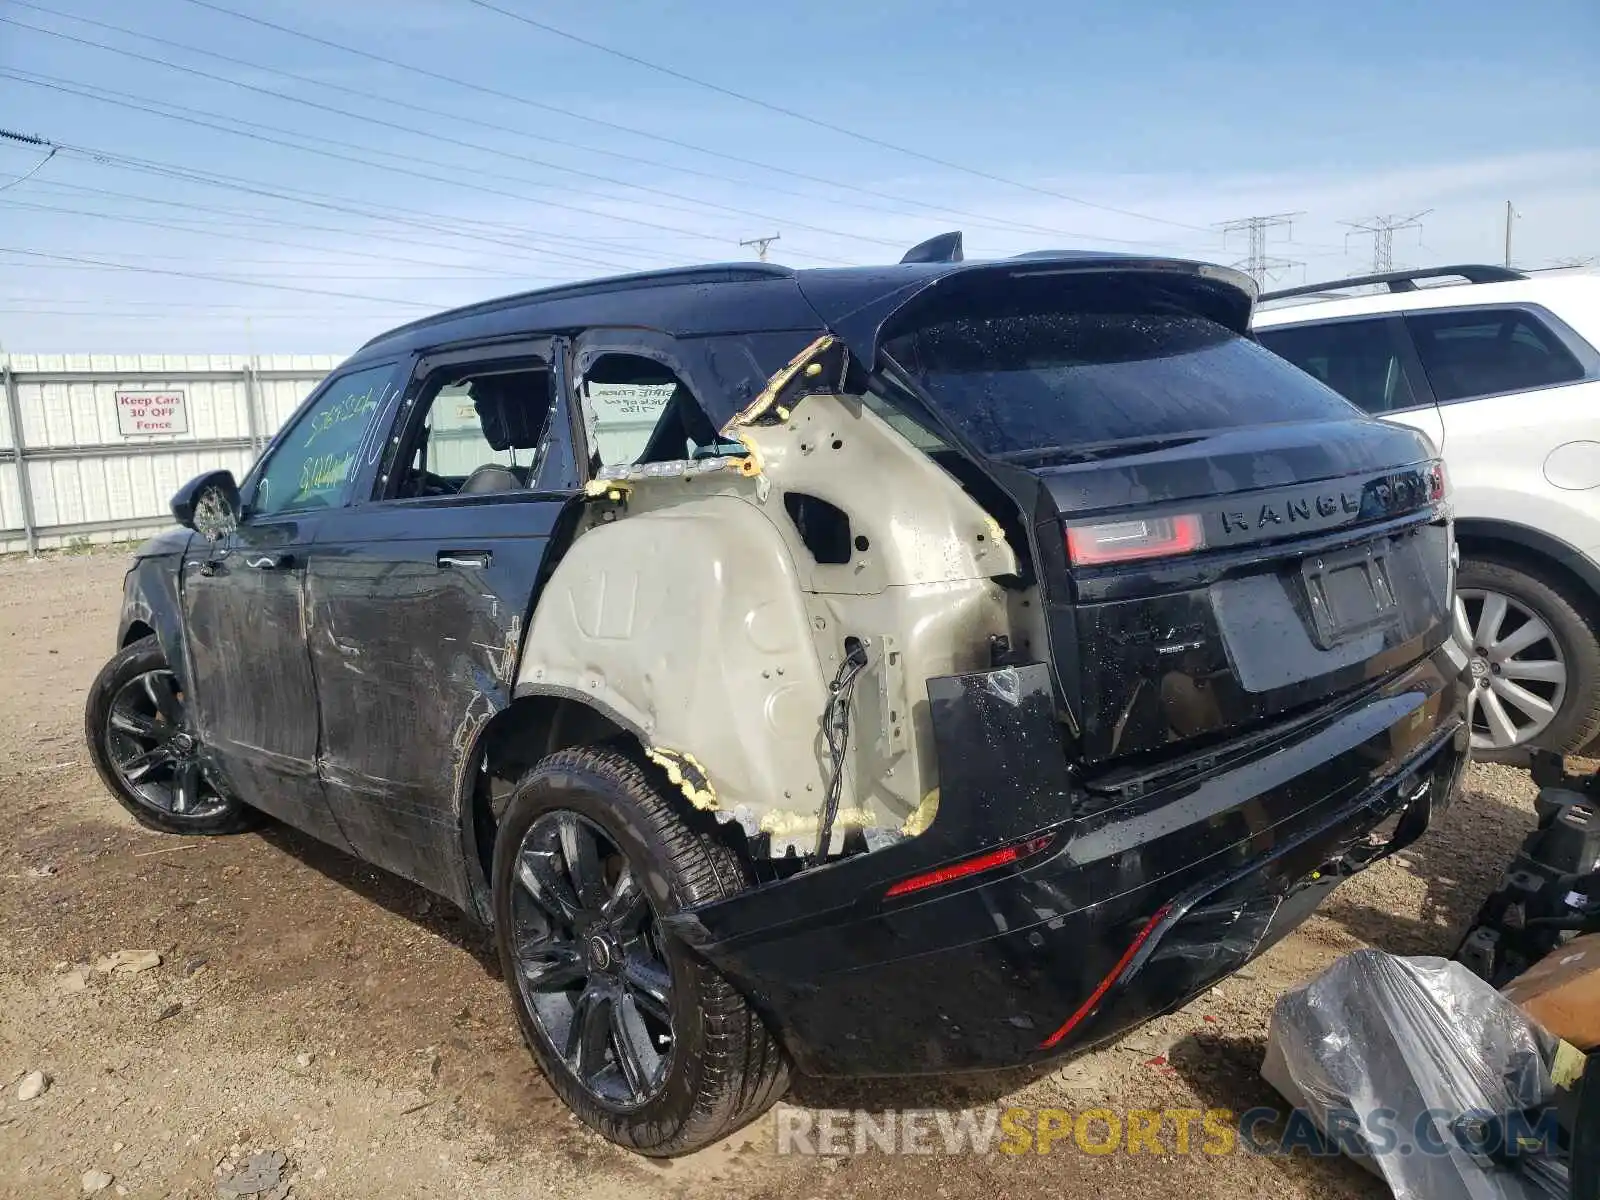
208,504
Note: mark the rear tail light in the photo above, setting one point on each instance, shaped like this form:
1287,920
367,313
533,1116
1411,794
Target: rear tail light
1438,482
1145,537
979,863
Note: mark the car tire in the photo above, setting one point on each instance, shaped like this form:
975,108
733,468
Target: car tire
724,1067
1554,601
212,813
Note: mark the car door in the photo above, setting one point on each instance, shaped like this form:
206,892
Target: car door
1519,393
418,596
243,605
1367,360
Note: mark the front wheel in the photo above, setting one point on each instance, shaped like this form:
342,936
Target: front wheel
1535,661
646,1043
143,742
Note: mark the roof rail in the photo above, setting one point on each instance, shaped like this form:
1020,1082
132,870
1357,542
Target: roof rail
1403,281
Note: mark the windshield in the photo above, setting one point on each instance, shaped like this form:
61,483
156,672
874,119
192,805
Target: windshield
1059,381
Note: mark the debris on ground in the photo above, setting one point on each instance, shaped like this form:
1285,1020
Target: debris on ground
259,1177
74,979
1458,1070
95,1181
34,1084
128,962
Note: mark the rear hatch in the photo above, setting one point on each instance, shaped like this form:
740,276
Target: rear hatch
1220,540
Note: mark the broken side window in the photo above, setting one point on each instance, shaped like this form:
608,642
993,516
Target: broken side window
636,410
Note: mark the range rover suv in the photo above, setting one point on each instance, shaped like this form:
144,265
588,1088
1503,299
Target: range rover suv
904,669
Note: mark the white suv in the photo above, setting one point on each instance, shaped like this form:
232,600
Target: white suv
1501,372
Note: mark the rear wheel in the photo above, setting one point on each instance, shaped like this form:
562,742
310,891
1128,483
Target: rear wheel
143,742
645,1042
1535,661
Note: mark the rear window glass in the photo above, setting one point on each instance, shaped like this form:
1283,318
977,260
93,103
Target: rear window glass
1032,381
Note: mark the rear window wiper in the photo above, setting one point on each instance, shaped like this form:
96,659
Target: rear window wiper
1089,451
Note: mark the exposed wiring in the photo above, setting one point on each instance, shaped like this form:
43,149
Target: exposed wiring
37,167
836,728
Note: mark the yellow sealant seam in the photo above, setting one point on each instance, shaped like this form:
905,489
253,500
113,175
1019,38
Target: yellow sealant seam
779,381
686,774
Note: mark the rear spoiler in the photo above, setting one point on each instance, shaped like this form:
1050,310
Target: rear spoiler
1219,293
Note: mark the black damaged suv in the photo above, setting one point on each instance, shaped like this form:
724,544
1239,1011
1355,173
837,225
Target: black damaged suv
903,669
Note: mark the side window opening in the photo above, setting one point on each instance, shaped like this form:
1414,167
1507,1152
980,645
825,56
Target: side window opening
484,431
637,410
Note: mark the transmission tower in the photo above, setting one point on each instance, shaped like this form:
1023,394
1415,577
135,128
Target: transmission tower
761,244
1257,263
1382,230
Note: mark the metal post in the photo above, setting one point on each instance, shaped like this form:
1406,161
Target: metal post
252,421
24,489
1509,214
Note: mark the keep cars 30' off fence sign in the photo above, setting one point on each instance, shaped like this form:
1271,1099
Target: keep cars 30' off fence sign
152,412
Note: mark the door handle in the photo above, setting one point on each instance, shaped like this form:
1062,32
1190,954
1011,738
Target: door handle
271,562
475,560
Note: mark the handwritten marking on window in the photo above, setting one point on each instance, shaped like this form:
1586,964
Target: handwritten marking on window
344,411
325,471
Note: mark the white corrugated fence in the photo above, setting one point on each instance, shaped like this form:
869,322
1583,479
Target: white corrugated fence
92,446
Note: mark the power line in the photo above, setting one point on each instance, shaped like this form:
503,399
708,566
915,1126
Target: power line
293,224
818,121
515,280
477,147
786,170
370,212
180,113
27,175
1383,229
319,200
280,287
410,172
831,197
1257,263
147,222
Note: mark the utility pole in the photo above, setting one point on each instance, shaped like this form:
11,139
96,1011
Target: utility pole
1257,263
1511,215
761,244
1382,230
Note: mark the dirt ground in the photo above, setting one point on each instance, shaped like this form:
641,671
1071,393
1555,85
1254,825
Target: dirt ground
314,1006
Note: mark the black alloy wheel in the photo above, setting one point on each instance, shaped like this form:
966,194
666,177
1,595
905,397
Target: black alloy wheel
144,744
644,1040
589,959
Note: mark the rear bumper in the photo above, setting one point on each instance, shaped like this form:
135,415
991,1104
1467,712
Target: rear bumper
1143,899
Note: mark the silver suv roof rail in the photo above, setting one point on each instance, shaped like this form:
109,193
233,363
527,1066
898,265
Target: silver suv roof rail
1403,281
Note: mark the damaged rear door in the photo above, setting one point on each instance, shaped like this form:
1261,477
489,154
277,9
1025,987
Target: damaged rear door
418,596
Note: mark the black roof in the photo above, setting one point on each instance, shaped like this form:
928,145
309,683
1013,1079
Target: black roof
765,297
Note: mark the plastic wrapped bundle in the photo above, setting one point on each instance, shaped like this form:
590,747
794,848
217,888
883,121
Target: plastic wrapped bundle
1423,1073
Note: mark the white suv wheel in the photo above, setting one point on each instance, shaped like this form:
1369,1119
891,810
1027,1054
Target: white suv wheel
1519,673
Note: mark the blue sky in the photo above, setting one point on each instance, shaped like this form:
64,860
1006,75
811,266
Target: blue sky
1136,125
